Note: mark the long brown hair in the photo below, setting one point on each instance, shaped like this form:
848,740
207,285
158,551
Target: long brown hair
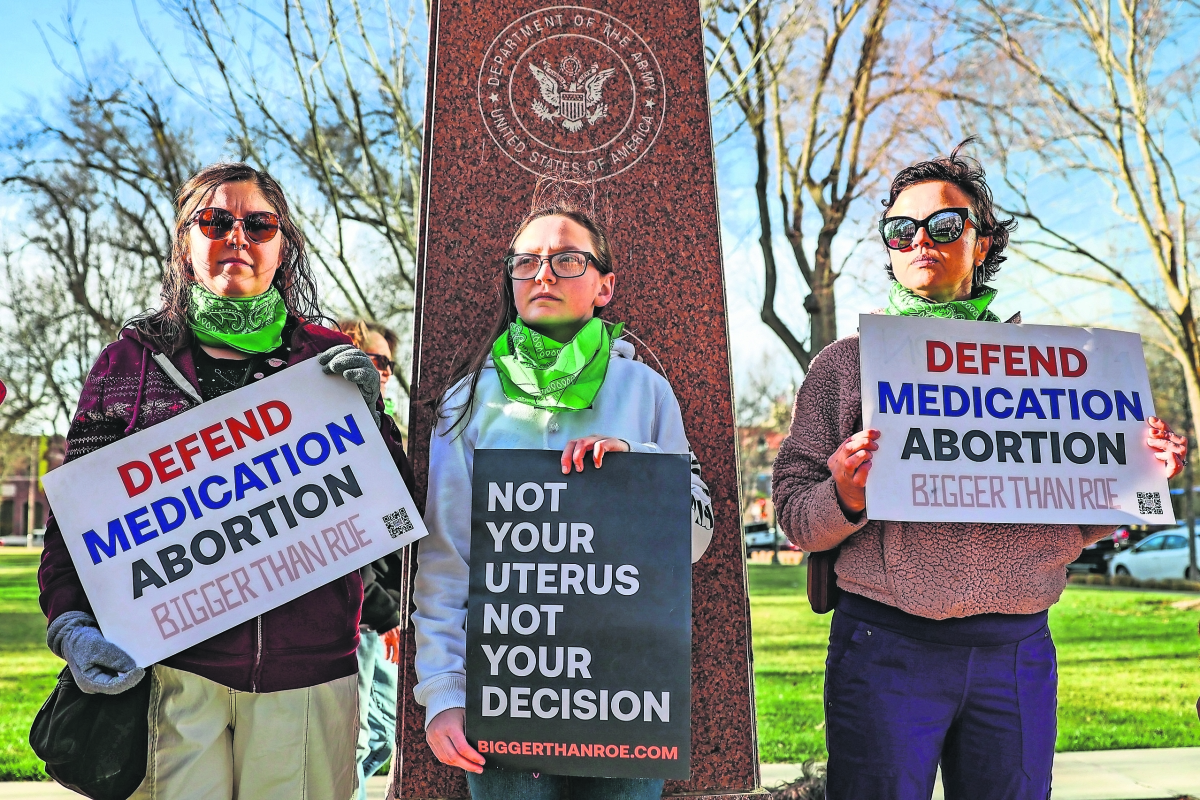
168,325
506,313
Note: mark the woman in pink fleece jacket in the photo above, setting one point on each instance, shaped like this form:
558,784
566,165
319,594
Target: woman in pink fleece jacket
939,651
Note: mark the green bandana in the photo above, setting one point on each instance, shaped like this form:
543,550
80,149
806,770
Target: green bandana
904,302
540,372
246,324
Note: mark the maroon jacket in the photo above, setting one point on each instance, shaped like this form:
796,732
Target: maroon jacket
310,640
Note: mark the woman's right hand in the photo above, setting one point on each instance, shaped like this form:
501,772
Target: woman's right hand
849,466
595,444
449,743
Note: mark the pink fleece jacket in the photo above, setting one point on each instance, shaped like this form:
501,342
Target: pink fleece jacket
932,570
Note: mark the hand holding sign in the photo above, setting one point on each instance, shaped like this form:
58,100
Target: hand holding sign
1170,448
849,466
448,741
576,449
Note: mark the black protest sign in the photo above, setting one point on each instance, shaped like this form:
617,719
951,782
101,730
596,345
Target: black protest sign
579,615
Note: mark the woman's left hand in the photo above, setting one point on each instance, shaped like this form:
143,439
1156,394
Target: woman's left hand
1168,446
576,449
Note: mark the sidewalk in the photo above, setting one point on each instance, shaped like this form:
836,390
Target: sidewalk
376,789
1165,774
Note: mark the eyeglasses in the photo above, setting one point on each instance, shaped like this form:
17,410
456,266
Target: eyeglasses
216,223
382,362
568,264
943,226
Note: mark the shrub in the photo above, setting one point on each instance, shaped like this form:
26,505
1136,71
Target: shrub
1168,584
810,786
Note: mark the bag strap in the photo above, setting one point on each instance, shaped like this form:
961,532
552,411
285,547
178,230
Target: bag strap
176,377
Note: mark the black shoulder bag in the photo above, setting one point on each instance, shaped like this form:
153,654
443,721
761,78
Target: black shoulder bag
94,744
823,590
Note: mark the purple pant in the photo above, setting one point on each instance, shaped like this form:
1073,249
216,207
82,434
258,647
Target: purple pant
896,705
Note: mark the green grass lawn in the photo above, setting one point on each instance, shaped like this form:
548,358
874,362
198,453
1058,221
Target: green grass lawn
1128,663
27,669
1129,668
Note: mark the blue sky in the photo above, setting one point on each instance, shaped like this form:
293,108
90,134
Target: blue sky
105,26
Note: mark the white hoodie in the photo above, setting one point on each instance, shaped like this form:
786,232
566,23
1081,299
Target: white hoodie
634,403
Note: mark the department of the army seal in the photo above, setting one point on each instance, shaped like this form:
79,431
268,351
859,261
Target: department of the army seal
572,92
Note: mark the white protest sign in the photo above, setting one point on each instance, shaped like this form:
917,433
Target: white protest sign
987,422
211,518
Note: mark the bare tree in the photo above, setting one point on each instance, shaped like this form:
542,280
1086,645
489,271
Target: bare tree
335,105
829,109
93,172
1100,95
764,413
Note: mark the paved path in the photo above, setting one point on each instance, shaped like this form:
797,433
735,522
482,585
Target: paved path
376,788
1165,774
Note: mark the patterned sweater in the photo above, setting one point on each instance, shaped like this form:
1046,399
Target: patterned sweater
932,570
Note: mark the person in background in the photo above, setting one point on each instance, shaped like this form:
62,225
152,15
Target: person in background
267,709
379,342
381,626
939,651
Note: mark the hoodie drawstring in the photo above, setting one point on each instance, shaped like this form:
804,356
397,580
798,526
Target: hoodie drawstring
137,404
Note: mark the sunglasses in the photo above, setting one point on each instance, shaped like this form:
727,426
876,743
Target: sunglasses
382,362
943,227
216,223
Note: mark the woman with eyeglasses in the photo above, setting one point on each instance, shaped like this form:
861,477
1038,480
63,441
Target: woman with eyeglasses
939,651
554,376
267,709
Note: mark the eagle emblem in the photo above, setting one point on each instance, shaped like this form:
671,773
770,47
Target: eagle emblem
581,98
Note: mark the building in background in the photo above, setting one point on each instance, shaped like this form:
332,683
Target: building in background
23,505
757,447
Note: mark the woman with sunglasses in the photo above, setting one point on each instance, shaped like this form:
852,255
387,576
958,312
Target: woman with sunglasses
551,376
379,343
267,709
939,651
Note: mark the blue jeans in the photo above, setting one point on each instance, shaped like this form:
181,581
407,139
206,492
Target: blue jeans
377,686
502,784
896,706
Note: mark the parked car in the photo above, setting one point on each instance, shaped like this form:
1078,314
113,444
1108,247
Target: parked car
16,540
761,536
1095,557
1162,555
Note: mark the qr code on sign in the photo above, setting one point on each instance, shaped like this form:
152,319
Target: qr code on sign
398,523
1149,503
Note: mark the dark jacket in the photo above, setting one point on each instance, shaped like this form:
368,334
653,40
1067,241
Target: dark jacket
383,590
309,641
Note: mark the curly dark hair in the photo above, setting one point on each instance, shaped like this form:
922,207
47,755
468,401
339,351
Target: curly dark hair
967,174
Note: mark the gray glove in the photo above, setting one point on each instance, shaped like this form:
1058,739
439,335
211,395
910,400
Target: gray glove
357,367
99,666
